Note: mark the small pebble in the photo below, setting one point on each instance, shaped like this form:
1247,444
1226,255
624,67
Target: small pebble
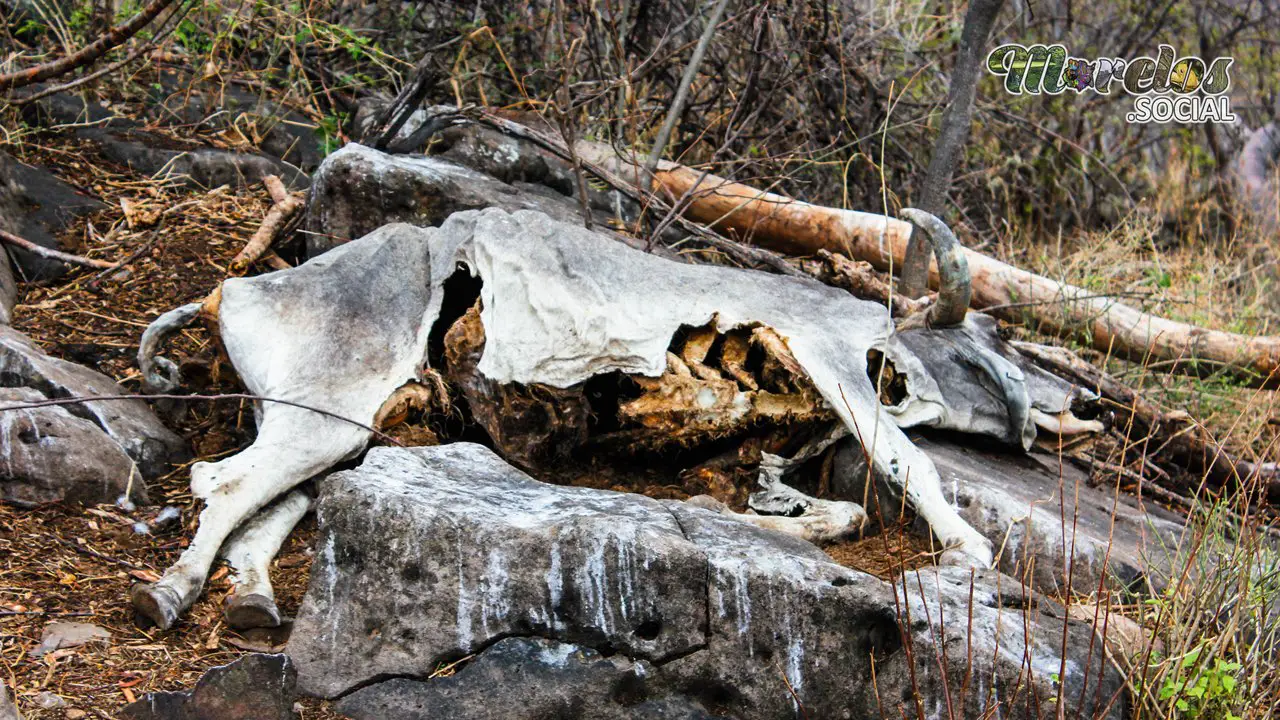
124,503
48,701
75,714
168,514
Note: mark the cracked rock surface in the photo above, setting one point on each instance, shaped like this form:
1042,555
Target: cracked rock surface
544,677
430,555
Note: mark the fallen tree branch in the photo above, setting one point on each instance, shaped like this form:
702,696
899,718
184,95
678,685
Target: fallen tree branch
89,53
167,26
738,251
10,239
286,209
861,280
1173,435
798,228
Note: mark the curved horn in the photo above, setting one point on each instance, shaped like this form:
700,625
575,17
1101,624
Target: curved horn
160,374
954,287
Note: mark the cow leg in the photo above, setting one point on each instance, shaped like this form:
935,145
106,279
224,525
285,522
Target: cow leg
292,446
250,550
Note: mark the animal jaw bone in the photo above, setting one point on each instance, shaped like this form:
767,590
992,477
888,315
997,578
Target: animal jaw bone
819,521
342,332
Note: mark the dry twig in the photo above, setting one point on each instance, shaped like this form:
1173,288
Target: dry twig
87,54
287,207
18,242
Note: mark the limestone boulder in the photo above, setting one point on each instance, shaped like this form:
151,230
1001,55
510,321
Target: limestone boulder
130,424
429,556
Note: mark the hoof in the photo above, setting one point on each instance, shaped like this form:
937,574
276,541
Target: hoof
157,603
977,554
251,611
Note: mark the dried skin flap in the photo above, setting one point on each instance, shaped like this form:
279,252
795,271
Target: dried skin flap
561,305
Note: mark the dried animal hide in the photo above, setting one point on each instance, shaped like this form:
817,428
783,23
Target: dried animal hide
559,305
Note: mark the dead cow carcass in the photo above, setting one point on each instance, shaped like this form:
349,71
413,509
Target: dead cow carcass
558,306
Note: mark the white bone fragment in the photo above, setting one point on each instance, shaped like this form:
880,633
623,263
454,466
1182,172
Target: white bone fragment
821,521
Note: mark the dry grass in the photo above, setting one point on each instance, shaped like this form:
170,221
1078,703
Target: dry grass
1210,631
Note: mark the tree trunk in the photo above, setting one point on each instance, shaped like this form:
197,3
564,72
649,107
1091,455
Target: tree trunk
955,131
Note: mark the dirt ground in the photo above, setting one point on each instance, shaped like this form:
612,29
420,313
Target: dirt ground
76,564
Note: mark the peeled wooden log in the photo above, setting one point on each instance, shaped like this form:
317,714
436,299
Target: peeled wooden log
286,208
799,228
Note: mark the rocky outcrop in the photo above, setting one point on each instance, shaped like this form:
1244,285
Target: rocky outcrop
255,687
36,206
89,451
1038,511
358,190
431,555
47,454
127,143
279,131
543,678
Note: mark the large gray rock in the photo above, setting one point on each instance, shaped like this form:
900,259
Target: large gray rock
200,165
358,189
37,206
543,678
1037,512
8,711
129,423
186,101
429,555
48,455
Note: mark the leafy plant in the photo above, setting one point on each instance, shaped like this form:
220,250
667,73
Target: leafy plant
1202,690
330,128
